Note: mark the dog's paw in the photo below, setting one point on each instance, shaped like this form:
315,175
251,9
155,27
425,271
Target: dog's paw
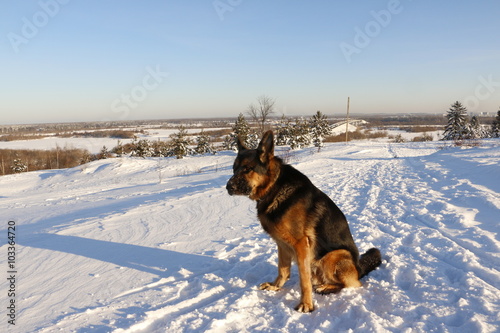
305,307
324,289
268,286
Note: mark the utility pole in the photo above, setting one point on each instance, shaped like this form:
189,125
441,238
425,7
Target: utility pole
347,120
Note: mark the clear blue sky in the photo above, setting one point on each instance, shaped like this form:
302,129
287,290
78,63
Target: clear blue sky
69,60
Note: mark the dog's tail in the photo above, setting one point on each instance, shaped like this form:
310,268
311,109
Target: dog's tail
369,261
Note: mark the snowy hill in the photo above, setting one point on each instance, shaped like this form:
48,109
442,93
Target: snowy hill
148,245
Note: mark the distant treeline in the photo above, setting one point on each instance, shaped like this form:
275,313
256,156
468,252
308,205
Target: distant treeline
100,125
406,120
117,134
23,160
19,137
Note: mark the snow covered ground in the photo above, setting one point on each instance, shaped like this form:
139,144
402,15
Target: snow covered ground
157,245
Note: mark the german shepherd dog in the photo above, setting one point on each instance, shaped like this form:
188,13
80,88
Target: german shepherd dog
304,222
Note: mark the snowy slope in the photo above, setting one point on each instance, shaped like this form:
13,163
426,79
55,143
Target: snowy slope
148,245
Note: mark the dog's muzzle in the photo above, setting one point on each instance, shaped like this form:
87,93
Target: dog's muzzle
237,186
229,187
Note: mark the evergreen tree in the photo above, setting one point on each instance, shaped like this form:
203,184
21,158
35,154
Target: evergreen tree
103,154
203,145
143,149
284,132
118,149
161,149
252,141
180,143
456,129
301,135
319,128
495,127
241,128
86,157
475,130
229,142
18,166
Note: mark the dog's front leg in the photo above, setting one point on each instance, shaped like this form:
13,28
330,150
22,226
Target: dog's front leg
284,264
303,251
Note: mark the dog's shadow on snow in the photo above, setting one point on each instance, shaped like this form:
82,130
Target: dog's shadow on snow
156,261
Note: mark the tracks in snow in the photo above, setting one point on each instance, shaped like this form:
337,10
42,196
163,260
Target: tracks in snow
435,244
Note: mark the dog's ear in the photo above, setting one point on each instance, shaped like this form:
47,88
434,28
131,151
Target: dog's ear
240,144
266,147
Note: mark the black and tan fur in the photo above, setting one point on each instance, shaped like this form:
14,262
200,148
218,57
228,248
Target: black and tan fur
305,223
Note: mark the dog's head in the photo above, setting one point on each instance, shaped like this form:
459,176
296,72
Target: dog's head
255,170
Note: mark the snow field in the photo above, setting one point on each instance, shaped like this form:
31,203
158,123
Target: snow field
93,145
157,245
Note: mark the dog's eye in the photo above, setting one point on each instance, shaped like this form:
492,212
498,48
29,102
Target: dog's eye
247,169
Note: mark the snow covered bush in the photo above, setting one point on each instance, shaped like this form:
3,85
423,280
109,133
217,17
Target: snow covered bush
143,148
475,130
161,148
398,139
118,149
284,130
180,143
203,145
252,141
301,135
19,166
495,127
424,137
103,154
229,142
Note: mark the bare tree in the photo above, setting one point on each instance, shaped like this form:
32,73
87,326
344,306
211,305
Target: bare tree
261,112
